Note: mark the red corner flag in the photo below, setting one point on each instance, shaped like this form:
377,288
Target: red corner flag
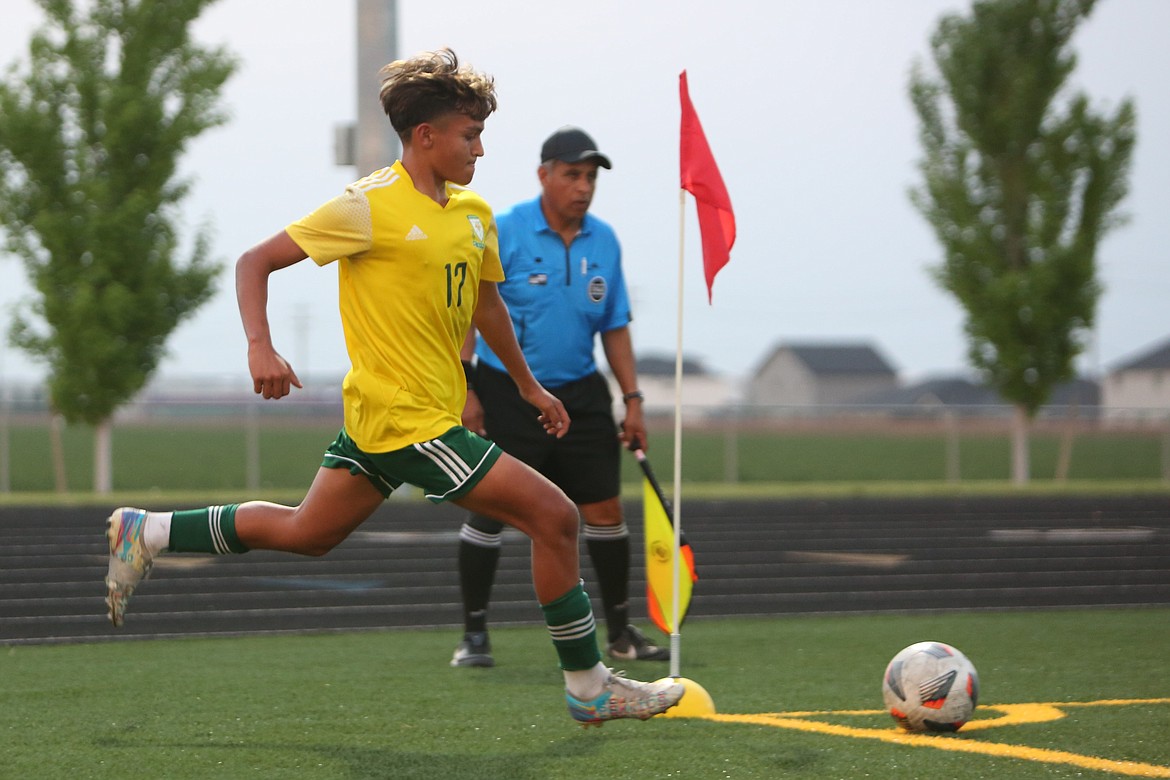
700,176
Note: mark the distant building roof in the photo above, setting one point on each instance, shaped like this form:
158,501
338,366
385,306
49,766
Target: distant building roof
961,391
1151,360
662,365
948,391
1078,392
823,359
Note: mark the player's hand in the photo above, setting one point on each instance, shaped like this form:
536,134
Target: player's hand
552,415
473,414
272,376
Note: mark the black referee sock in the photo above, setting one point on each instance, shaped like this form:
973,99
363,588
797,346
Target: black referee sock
609,550
479,553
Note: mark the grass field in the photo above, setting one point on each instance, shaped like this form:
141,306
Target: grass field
212,456
385,705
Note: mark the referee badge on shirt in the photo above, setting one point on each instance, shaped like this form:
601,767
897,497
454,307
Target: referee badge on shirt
476,231
597,289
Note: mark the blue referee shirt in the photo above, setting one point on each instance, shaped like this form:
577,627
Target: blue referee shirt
559,297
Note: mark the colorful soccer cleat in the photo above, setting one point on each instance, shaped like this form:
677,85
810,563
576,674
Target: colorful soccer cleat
130,561
624,698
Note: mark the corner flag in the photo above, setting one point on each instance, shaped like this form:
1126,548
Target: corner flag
699,175
659,531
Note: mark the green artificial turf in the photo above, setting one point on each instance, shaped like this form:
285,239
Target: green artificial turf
386,704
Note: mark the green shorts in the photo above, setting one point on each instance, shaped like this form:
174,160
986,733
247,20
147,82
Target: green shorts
445,468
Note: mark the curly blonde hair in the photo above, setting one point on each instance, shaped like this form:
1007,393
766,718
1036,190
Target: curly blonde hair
430,84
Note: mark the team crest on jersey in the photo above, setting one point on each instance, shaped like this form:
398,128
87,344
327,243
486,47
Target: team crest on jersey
597,288
476,231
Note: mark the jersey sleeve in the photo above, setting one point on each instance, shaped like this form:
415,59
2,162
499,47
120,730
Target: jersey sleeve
341,227
492,269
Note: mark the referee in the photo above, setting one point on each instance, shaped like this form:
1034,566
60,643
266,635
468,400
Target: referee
563,287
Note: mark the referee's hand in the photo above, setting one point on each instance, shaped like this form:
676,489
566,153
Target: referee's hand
633,428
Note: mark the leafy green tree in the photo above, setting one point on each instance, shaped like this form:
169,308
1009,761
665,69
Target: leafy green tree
91,132
1021,179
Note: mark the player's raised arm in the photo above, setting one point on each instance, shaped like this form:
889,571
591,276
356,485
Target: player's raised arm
272,376
492,321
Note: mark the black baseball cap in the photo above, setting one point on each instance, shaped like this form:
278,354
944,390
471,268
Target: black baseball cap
572,144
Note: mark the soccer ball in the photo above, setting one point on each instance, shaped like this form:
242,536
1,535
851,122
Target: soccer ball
930,686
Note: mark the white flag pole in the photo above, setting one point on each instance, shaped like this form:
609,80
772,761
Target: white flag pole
675,637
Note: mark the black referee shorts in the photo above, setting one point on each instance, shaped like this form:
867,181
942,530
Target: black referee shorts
585,463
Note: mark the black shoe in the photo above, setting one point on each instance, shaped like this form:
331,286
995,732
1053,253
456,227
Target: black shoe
474,650
633,645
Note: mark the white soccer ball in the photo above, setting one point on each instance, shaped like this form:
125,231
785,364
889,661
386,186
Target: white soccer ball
930,686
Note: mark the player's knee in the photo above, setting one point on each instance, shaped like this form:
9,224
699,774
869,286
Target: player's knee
564,520
552,520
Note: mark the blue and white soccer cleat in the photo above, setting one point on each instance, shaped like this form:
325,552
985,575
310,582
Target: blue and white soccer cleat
130,561
624,698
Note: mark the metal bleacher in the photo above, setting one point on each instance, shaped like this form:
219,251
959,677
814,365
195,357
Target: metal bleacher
761,558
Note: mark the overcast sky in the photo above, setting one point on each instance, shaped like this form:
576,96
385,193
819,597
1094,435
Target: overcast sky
804,103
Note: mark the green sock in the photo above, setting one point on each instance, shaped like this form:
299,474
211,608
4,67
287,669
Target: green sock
574,633
210,530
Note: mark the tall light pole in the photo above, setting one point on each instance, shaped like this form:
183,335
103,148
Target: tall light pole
370,143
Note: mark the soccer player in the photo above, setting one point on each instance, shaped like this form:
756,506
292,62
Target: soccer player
418,262
564,288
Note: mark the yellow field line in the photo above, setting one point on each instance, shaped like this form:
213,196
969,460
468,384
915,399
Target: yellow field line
1013,715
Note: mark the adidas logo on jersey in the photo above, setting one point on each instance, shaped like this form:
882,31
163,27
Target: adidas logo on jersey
416,234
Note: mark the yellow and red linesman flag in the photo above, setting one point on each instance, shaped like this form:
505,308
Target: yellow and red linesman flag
699,175
659,533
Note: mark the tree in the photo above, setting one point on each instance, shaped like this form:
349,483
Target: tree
1019,192
90,138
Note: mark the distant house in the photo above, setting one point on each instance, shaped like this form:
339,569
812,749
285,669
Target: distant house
702,392
1139,388
1078,398
951,391
819,375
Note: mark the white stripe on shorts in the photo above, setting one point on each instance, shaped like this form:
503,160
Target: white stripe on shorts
457,482
361,468
446,459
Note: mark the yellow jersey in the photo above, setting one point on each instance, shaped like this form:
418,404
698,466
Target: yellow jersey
409,272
